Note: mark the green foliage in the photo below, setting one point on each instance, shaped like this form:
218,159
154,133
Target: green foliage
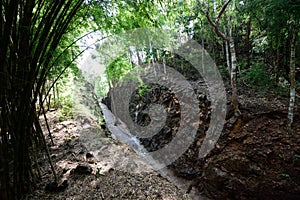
101,86
223,69
143,89
258,78
117,16
118,69
66,104
64,100
260,44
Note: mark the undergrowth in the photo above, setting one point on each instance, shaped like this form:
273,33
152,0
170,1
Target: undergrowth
257,77
64,98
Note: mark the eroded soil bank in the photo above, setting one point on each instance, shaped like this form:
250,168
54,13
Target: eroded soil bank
256,156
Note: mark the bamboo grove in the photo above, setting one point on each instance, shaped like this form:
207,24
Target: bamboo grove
30,32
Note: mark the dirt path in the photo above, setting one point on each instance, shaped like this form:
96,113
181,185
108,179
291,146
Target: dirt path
114,169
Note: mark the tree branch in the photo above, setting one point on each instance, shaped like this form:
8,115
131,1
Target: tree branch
222,11
215,24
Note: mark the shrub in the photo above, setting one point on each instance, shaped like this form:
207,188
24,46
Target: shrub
258,78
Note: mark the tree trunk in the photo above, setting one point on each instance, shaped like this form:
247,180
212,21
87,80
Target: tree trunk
139,63
230,40
227,54
292,79
234,96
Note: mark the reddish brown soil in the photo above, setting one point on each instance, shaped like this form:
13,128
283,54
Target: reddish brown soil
258,159
255,158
